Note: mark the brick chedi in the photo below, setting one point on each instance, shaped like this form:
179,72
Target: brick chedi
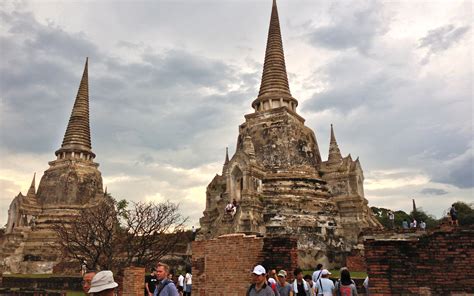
72,182
279,180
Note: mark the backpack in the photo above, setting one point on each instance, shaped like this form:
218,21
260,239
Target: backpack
162,286
345,290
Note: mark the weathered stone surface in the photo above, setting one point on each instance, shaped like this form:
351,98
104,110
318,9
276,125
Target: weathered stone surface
280,182
71,183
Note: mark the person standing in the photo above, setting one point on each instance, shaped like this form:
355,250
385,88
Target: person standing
165,287
180,284
422,225
324,286
312,285
283,287
391,219
150,282
405,224
454,215
188,281
259,283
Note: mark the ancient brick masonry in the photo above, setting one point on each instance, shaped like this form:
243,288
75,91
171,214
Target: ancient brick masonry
222,266
133,281
439,263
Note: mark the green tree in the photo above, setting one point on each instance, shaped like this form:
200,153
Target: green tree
465,213
421,215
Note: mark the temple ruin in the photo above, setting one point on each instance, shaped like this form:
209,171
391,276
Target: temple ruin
71,183
280,183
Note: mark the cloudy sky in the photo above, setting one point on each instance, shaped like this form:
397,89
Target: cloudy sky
170,81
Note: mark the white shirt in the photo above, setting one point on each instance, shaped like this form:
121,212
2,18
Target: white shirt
327,287
181,280
189,280
316,275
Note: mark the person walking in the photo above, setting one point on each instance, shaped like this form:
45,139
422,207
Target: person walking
180,284
300,287
259,283
103,284
317,272
283,287
324,286
165,287
345,286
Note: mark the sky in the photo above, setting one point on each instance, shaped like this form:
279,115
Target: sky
170,82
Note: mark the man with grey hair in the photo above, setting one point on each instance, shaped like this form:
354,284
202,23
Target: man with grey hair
165,286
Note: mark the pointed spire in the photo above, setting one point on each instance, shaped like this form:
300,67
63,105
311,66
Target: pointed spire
414,206
77,137
226,155
32,190
274,88
334,152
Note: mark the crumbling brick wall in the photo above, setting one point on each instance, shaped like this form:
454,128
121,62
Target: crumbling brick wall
438,263
222,266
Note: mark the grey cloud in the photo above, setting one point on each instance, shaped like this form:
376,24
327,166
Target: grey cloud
353,26
441,39
433,191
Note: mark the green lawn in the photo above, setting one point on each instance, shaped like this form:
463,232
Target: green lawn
336,274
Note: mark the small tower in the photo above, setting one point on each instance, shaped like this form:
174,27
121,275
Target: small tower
335,156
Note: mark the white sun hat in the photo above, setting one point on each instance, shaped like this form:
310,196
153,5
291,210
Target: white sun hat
103,280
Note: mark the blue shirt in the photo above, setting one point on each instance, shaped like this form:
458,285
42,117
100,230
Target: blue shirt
168,290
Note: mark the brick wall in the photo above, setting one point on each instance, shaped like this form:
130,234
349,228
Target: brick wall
437,263
133,281
222,266
355,261
280,253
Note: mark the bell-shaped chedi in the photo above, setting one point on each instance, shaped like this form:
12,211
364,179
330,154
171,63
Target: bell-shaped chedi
71,183
73,178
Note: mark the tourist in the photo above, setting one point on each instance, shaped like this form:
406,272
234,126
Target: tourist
422,225
312,285
346,286
165,287
86,281
103,284
391,219
283,287
324,286
272,281
300,287
405,224
180,284
414,223
188,281
366,285
150,282
317,273
259,284
454,215
231,209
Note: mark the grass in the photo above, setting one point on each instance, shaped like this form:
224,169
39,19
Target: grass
336,274
75,293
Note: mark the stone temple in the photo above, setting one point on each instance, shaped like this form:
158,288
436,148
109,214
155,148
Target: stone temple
72,182
279,181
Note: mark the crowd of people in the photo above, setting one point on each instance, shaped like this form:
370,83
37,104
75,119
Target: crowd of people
317,284
162,282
